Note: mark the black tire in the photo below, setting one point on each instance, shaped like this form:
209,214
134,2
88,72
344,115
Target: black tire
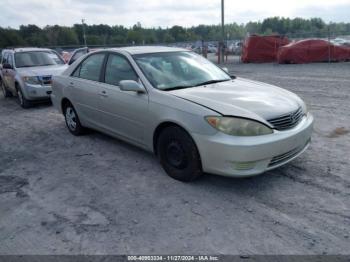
23,102
178,154
5,92
72,120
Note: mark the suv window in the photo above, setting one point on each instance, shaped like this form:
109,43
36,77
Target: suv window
10,60
4,59
118,68
90,68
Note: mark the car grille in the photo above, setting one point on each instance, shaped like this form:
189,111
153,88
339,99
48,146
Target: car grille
46,80
277,160
287,121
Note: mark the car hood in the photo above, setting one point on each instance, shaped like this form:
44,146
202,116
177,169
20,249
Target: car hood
42,70
244,98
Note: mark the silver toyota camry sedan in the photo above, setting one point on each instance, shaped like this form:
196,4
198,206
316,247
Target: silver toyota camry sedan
192,114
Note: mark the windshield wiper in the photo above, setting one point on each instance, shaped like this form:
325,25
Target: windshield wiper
177,88
45,65
211,82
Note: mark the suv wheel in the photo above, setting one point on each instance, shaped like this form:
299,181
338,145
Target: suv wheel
178,154
5,92
23,102
72,121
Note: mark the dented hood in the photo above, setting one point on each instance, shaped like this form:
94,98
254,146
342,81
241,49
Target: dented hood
244,98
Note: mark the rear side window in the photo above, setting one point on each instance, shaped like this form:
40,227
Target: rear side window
10,60
90,68
4,59
118,69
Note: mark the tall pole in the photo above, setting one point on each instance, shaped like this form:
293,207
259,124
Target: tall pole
222,29
84,36
329,44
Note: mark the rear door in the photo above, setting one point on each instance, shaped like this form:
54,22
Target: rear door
11,74
85,89
3,70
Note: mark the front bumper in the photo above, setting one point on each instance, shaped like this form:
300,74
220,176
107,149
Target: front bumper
247,156
37,92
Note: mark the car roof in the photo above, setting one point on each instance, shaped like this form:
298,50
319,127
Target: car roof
136,50
26,49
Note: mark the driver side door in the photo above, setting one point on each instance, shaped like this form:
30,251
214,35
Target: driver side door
125,113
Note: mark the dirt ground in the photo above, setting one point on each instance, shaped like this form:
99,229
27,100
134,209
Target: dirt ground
61,194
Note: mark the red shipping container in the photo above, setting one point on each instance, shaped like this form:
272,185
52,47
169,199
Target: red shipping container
262,49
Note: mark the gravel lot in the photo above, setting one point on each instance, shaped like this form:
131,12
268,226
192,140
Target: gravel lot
61,194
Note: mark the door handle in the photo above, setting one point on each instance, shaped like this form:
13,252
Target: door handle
71,84
103,94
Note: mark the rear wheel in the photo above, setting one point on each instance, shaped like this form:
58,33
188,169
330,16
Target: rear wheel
5,92
23,102
72,120
178,154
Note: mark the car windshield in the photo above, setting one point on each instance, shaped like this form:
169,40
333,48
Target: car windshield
176,70
37,58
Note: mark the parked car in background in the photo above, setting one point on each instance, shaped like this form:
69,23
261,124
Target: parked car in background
27,73
340,41
236,48
77,54
212,49
192,114
66,56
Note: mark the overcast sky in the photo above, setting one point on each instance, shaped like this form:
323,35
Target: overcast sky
164,13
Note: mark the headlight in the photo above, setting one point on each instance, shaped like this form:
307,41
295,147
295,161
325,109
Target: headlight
238,126
31,80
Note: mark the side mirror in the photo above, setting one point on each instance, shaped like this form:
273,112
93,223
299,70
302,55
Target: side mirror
7,66
131,85
225,69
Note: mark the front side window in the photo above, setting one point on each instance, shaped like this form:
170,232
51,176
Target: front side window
167,71
37,58
90,68
118,69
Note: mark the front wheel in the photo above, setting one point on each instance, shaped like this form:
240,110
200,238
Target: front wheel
72,121
23,102
178,154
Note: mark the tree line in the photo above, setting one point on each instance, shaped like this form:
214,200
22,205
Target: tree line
32,35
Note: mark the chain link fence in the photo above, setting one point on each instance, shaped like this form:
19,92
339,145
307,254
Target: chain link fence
301,47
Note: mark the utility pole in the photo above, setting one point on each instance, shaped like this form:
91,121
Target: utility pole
222,30
329,44
84,36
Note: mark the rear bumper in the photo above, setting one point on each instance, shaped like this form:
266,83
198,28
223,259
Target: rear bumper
247,156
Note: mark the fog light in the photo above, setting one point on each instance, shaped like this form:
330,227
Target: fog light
244,165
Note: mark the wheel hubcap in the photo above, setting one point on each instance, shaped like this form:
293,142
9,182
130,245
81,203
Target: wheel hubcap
175,155
71,119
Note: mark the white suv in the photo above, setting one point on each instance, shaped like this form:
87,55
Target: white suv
27,73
